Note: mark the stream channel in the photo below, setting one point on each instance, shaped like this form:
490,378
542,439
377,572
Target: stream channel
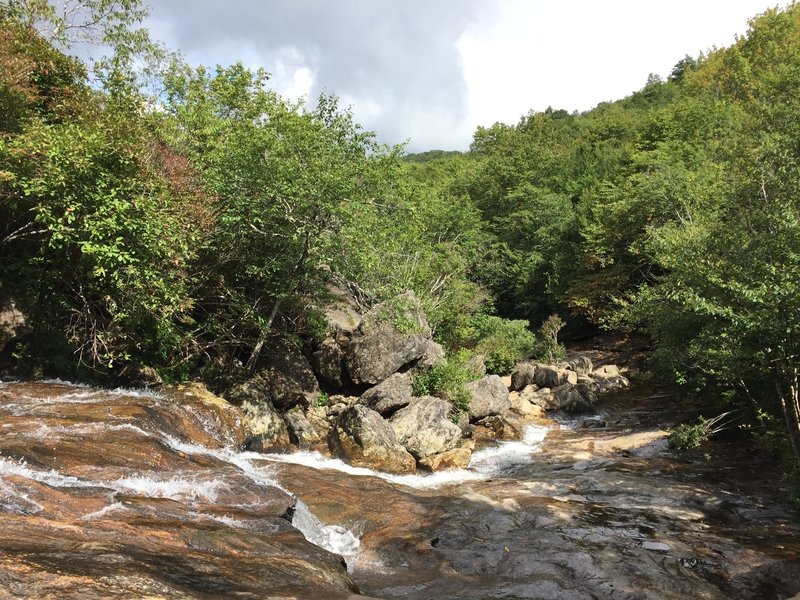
129,494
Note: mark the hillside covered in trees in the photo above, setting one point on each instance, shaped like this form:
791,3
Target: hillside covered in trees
158,215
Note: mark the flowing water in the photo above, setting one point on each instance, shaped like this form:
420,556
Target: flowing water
129,494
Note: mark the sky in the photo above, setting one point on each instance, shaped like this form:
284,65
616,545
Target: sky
429,72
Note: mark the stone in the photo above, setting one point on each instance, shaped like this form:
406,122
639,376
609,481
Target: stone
288,375
570,400
588,388
524,408
457,458
267,431
580,363
606,371
424,427
524,375
477,364
542,397
361,437
342,312
389,395
214,420
317,416
501,428
392,334
488,396
301,432
553,376
434,355
13,324
328,363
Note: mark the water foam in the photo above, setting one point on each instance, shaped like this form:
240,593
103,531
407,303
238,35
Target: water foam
508,455
333,538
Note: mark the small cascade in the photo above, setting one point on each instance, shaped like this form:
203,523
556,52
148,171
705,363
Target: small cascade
505,456
332,538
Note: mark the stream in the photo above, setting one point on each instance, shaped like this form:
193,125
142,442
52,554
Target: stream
130,494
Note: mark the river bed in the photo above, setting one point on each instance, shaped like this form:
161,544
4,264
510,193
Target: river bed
111,494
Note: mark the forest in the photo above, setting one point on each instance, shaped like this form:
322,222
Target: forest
155,214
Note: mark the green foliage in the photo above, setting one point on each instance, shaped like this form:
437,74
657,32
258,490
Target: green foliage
323,399
689,437
502,342
550,349
448,381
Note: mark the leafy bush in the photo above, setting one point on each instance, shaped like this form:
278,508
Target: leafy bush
688,437
503,342
448,381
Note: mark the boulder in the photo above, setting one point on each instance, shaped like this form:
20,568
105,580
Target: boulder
553,376
12,323
328,363
609,379
524,375
611,384
501,428
267,431
342,312
317,416
457,458
301,432
588,388
606,371
391,335
363,438
542,397
214,422
477,365
488,396
289,376
424,427
524,408
434,355
285,379
579,363
389,395
570,400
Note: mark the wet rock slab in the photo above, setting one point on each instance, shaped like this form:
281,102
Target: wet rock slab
115,494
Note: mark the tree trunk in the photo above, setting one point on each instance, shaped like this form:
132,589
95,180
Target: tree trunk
790,404
262,338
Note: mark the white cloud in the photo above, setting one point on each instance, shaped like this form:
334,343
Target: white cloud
575,54
433,70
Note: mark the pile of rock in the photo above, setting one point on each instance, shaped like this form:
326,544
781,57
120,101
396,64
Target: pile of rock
384,427
573,386
372,417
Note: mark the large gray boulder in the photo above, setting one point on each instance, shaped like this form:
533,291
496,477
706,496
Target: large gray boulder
266,429
389,395
363,438
609,379
328,363
285,376
542,397
553,376
424,427
393,334
524,375
488,396
570,400
301,431
580,363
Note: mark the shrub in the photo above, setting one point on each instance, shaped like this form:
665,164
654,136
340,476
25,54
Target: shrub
688,437
448,381
503,342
